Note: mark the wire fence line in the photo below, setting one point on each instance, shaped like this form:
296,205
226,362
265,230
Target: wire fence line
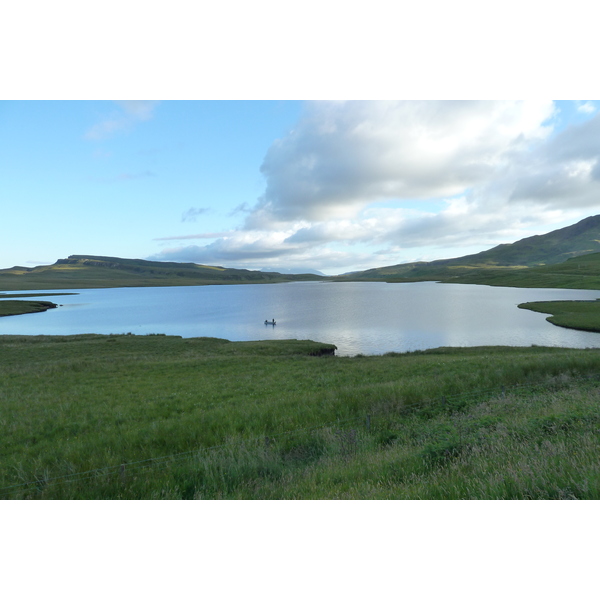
445,401
154,461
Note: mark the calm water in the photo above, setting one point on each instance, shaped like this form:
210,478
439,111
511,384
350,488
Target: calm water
368,318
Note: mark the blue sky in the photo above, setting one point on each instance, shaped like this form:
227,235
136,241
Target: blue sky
263,153
328,185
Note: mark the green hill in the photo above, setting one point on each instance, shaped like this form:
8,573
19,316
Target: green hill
82,271
564,258
581,272
550,248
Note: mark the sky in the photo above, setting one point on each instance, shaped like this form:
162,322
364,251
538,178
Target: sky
264,137
333,186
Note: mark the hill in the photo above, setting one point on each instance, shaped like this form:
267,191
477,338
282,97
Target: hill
550,248
564,258
83,271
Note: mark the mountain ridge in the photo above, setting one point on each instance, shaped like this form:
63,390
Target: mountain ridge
568,257
88,271
555,247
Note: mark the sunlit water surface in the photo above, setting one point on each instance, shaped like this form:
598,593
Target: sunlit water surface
368,318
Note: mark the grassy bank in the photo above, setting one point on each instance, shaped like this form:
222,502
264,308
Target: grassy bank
163,417
574,314
9,308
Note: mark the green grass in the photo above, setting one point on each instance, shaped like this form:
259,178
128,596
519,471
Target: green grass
574,314
126,416
9,308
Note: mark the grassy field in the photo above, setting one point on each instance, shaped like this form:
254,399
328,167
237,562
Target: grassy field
574,314
127,416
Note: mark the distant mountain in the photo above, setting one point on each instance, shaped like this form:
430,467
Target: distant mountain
568,257
84,271
535,251
548,249
297,271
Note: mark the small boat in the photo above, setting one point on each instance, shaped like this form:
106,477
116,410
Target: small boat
270,322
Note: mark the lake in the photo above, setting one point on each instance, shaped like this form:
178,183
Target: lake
358,317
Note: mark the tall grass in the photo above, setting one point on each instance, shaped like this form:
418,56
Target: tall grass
164,417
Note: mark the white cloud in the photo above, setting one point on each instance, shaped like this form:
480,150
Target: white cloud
236,247
127,114
267,253
362,184
138,110
586,107
344,155
564,172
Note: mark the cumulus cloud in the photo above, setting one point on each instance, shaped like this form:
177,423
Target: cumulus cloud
564,172
340,230
586,107
123,117
462,224
343,156
265,253
361,184
233,248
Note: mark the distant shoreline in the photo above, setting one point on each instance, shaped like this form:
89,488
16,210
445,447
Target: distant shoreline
3,295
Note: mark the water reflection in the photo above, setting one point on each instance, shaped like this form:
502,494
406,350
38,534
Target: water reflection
369,318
